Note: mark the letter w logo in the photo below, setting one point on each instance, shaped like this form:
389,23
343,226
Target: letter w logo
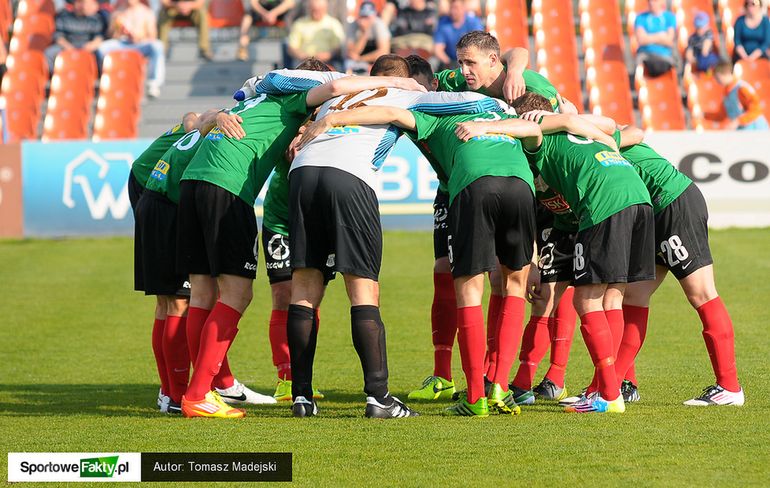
105,201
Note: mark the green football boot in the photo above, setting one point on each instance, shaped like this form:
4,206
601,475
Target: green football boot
464,409
434,388
503,401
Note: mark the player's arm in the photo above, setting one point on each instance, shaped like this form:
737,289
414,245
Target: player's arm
351,84
574,124
226,122
517,60
359,116
528,132
630,136
606,124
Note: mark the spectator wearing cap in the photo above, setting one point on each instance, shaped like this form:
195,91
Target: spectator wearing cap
752,33
82,28
317,34
700,52
655,32
450,29
368,39
413,26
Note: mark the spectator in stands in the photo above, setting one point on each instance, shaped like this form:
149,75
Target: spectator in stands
196,11
741,105
262,12
450,29
82,28
752,33
317,34
134,26
368,39
655,32
414,25
700,52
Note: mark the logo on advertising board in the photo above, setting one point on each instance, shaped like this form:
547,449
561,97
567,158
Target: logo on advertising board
78,188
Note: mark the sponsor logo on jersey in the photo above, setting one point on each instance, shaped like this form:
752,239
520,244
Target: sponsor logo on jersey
338,130
173,130
160,171
556,204
452,74
611,158
496,138
215,134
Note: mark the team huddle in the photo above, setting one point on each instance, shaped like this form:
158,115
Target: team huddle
567,211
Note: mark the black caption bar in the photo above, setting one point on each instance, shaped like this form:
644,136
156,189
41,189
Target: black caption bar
216,466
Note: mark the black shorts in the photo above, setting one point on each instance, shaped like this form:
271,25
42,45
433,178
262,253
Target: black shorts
217,232
492,218
619,249
277,257
135,191
334,223
440,224
155,247
555,248
682,234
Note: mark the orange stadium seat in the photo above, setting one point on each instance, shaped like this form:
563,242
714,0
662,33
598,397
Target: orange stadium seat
23,95
31,7
507,20
71,96
120,93
757,73
704,100
115,123
225,13
685,11
660,101
553,25
34,31
633,8
6,20
729,11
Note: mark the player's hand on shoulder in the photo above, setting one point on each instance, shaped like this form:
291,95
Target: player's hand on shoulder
409,84
230,125
535,115
514,86
566,107
468,130
314,130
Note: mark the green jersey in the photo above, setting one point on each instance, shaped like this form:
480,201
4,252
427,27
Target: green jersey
276,204
596,181
664,182
169,169
465,162
144,164
452,80
241,166
564,218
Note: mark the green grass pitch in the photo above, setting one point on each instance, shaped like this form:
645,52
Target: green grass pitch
77,374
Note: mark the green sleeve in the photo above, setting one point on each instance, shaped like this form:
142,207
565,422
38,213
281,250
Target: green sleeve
296,103
616,136
535,157
425,124
450,80
537,83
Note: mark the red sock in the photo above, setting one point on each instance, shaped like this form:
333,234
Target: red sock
635,329
720,342
534,345
617,325
157,349
631,374
509,337
279,343
443,323
562,332
224,379
216,337
493,321
196,317
177,356
598,339
470,335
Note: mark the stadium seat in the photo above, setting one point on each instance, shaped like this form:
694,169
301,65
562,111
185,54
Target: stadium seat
225,13
757,73
34,31
607,84
32,7
704,100
120,93
507,20
729,11
685,11
23,88
553,25
660,101
71,96
6,20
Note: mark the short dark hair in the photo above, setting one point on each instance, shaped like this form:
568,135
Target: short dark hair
724,66
481,40
390,65
531,101
418,66
314,64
